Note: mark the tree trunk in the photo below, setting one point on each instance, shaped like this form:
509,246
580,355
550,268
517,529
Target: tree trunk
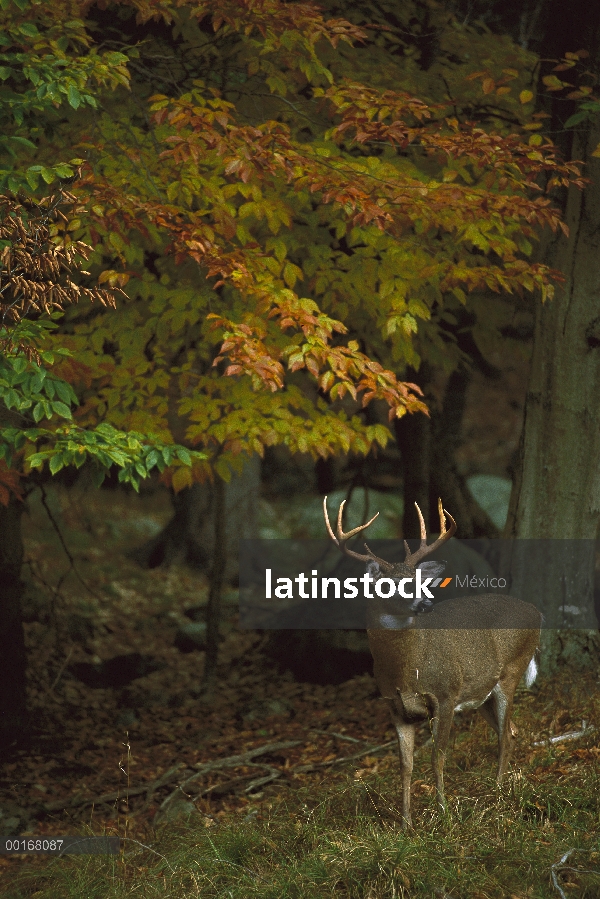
446,481
413,435
556,493
428,447
13,715
217,577
190,535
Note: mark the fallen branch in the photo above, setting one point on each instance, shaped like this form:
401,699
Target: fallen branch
304,769
561,864
332,733
572,735
80,800
230,785
231,761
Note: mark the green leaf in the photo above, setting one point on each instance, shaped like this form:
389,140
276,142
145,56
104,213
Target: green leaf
61,409
576,118
151,459
167,454
98,476
48,175
22,142
74,97
19,364
36,382
183,455
63,170
38,412
12,399
32,179
29,29
56,463
65,392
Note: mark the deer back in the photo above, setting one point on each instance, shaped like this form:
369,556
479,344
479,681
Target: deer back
458,650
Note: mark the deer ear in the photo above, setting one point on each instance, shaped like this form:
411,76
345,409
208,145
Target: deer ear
373,569
432,568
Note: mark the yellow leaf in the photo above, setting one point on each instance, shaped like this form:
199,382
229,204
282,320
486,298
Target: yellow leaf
106,275
327,381
535,140
596,152
450,175
223,470
182,477
526,97
290,274
555,84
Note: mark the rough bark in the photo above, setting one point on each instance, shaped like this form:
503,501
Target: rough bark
556,493
13,715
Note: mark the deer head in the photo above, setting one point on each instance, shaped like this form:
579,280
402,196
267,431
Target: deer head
397,610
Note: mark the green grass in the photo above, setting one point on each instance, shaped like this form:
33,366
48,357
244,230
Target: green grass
343,839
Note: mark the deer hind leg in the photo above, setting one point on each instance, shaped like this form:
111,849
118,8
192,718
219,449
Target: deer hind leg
406,746
441,722
502,695
488,711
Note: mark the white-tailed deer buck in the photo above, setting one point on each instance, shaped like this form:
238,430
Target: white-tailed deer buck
467,653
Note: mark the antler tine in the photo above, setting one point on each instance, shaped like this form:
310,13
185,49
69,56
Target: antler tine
354,531
341,538
443,515
422,523
328,523
424,550
409,554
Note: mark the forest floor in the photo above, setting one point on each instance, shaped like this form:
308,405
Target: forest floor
105,759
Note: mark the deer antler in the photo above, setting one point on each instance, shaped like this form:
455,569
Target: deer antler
424,549
340,539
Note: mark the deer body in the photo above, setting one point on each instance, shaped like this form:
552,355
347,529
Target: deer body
467,653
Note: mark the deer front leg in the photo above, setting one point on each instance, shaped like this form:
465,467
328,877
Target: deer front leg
406,747
441,722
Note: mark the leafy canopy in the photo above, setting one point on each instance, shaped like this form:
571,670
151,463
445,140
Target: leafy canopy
289,237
